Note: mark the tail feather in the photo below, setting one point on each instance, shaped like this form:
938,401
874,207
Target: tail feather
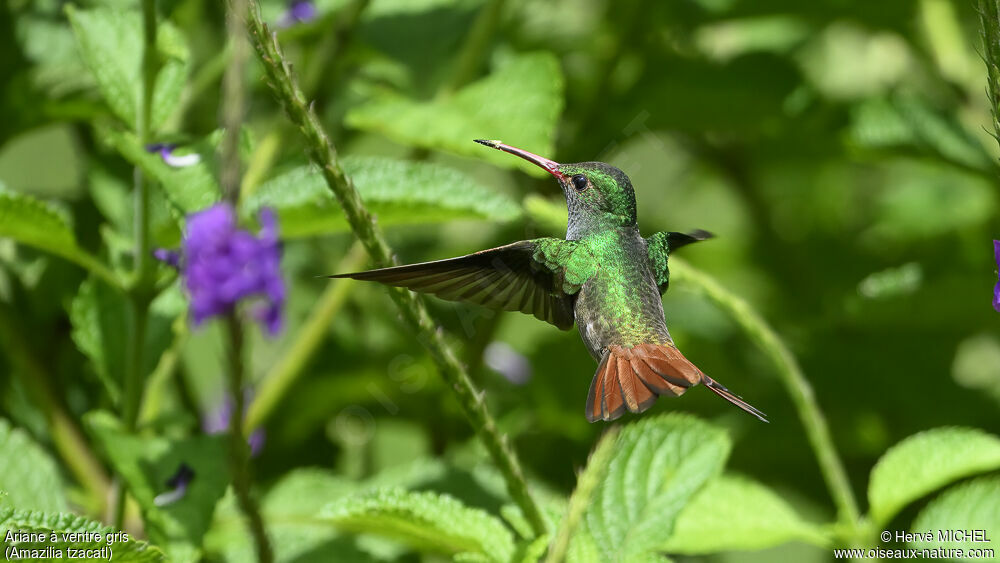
720,390
634,377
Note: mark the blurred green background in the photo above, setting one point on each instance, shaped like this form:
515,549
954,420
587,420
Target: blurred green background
840,151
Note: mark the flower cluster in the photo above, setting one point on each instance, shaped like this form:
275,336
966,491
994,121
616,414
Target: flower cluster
222,264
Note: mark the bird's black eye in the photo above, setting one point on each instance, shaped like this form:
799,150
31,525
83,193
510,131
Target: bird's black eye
580,182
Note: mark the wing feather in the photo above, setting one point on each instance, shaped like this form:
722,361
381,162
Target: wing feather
526,276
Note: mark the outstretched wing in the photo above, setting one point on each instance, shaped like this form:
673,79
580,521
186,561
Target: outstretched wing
660,245
528,276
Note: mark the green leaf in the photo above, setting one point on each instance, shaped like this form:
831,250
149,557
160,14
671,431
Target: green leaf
659,464
16,520
32,222
908,122
100,329
926,462
519,103
190,188
427,521
100,319
147,463
111,44
28,473
970,506
753,517
396,191
291,510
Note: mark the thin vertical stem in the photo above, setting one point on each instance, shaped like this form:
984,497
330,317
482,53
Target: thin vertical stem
233,104
583,495
322,152
233,108
470,56
239,451
791,377
141,290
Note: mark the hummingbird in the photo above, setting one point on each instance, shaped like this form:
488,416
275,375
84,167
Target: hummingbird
604,276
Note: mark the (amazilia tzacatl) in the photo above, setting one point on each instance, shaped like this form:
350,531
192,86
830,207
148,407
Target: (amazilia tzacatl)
604,276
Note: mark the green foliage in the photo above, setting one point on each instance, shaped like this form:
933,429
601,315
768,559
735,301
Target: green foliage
734,513
190,188
110,42
32,222
55,525
425,520
974,505
292,511
146,464
836,149
519,103
926,462
28,474
100,318
396,191
659,464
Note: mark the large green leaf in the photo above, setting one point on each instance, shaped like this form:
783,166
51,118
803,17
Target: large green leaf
961,510
519,103
751,515
147,463
660,463
30,221
396,191
122,548
926,462
428,521
291,510
111,45
27,473
190,188
101,319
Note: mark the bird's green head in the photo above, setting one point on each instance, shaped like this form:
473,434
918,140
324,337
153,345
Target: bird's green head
598,195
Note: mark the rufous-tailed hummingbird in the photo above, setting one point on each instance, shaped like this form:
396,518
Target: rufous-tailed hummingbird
604,275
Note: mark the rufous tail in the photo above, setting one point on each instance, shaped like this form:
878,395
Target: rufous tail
632,378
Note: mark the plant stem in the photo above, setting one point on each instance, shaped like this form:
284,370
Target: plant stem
239,451
989,18
141,290
233,107
791,377
470,56
323,154
582,496
284,373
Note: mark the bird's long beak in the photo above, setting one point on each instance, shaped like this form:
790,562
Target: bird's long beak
550,166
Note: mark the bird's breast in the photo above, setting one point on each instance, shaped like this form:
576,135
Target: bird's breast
620,304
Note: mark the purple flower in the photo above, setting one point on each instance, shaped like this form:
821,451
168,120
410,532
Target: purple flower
177,486
222,264
507,362
299,11
166,151
996,288
217,422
